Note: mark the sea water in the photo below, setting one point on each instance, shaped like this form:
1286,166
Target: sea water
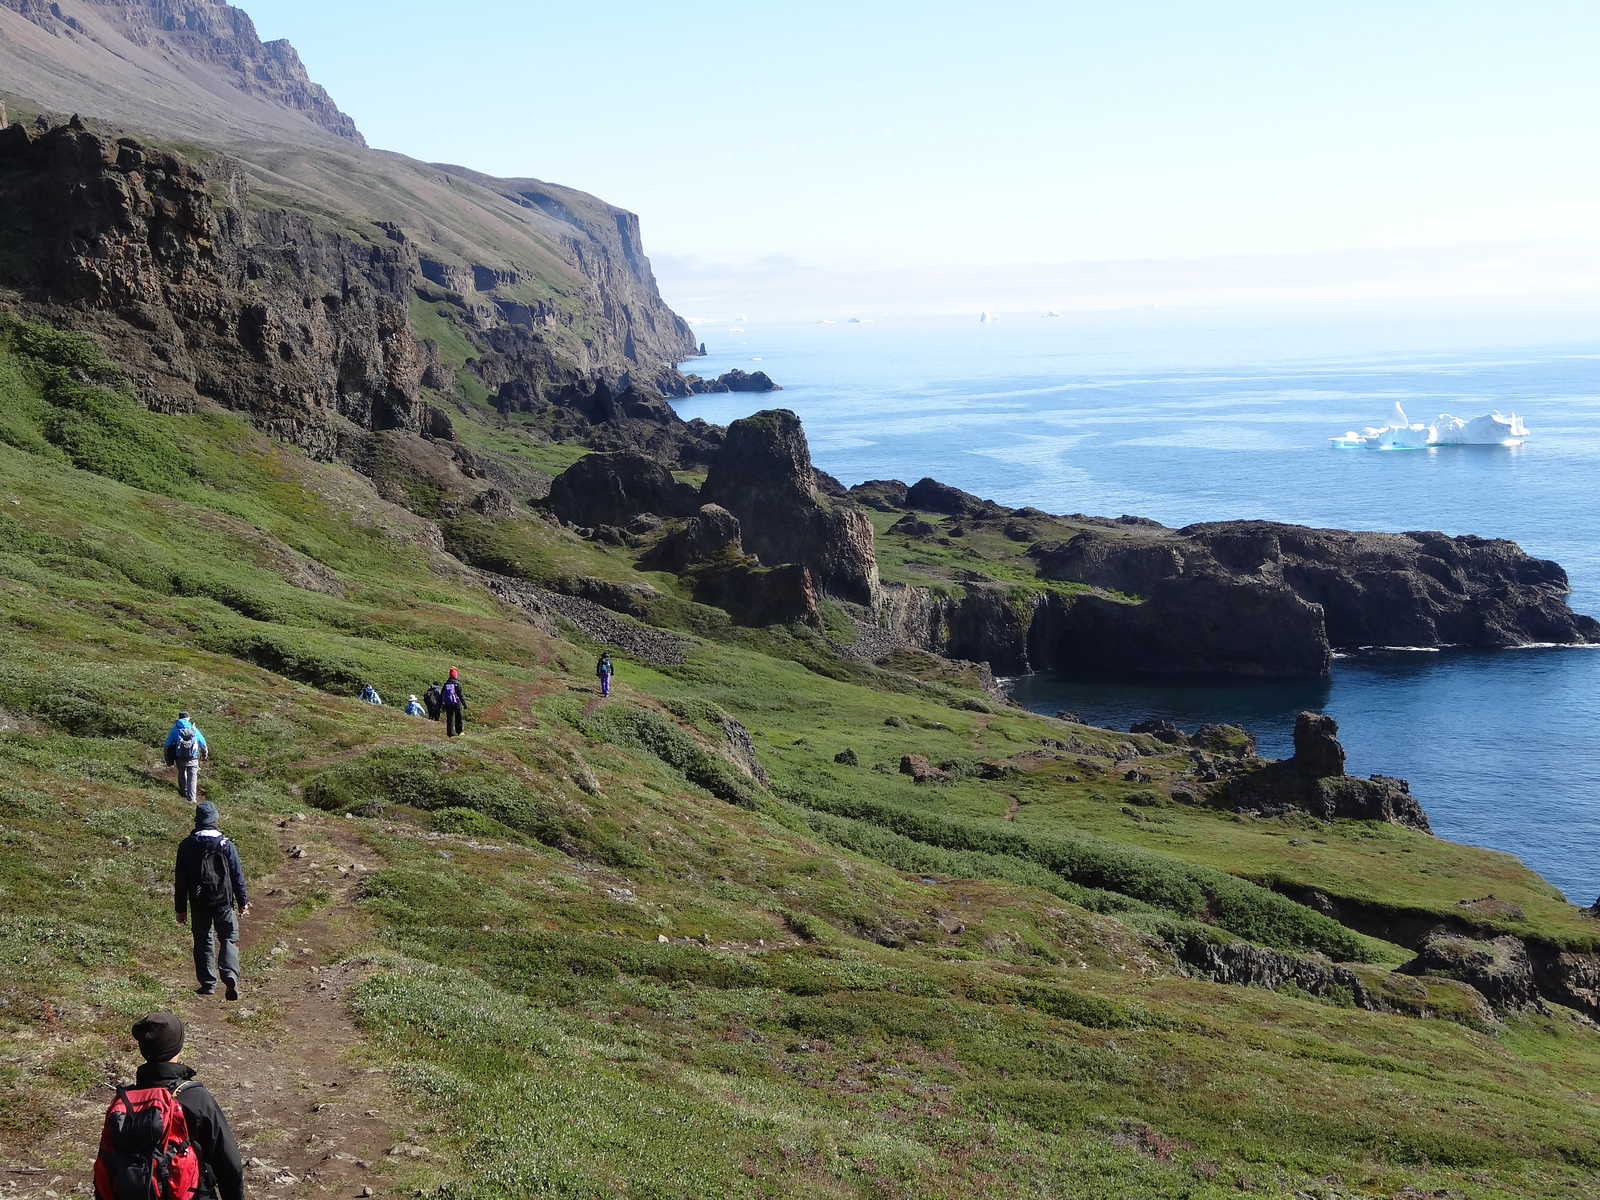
1189,421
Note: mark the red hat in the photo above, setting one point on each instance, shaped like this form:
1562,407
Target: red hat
454,673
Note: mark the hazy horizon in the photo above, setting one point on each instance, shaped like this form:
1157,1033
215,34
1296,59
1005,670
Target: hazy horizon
912,158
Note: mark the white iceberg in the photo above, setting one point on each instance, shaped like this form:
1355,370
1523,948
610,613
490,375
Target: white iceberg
1402,433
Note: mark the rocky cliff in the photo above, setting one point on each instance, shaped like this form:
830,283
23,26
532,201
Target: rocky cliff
203,298
764,477
1238,597
205,44
541,288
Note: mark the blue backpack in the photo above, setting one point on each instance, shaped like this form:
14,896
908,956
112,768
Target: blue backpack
452,694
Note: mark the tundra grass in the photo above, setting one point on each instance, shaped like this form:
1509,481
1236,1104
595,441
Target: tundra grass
604,955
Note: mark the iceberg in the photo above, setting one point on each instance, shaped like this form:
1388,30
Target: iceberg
1402,433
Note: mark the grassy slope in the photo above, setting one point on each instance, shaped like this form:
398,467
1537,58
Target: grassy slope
866,988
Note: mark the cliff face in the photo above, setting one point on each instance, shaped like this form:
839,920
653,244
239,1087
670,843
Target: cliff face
199,297
551,285
605,245
1237,597
205,40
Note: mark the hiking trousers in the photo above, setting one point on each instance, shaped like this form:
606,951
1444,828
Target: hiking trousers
452,720
225,921
189,780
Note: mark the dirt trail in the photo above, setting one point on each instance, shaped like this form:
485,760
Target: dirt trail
309,1118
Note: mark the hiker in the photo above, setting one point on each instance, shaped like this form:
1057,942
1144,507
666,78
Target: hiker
603,671
452,702
185,747
206,885
414,708
185,1139
369,695
434,699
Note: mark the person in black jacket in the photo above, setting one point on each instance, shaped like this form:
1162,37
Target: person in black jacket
160,1038
433,701
207,887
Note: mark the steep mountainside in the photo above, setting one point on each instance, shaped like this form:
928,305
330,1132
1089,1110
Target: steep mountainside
559,276
193,67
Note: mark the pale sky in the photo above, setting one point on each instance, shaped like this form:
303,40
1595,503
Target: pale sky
891,141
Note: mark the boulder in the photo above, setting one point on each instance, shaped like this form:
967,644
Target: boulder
762,474
494,503
932,496
1162,731
885,495
755,595
921,770
914,526
711,535
1499,968
613,489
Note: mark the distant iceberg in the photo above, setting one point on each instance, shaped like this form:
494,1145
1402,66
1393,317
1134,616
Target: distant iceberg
1402,433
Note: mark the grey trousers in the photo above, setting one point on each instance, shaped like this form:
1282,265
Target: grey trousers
189,780
226,923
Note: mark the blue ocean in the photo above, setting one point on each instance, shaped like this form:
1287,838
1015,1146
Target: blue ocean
1193,421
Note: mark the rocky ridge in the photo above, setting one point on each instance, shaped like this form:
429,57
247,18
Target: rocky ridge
1239,597
204,39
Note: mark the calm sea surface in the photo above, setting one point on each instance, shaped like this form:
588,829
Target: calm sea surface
1196,423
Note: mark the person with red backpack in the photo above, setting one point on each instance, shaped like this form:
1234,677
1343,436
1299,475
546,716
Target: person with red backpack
206,886
453,703
165,1136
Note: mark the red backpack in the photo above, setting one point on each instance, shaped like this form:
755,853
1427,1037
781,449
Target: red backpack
145,1151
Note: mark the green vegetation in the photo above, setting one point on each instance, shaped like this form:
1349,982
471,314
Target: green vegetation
666,945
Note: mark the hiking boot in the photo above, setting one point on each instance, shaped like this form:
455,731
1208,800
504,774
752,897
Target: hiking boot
203,990
231,988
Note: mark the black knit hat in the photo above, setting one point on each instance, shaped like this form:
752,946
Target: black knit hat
160,1036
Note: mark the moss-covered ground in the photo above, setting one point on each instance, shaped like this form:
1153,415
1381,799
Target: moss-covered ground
596,954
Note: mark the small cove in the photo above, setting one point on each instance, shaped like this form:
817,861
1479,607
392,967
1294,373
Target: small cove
1187,424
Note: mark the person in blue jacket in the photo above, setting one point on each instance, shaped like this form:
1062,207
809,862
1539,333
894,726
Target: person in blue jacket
369,695
414,708
185,747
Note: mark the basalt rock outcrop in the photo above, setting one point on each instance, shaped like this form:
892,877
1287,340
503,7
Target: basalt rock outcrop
1499,968
1314,781
613,489
1240,597
711,535
200,297
762,474
1373,589
731,381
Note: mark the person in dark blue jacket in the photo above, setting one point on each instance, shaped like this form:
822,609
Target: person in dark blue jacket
208,891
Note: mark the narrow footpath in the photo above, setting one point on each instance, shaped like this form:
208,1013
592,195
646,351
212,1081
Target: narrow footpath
284,1062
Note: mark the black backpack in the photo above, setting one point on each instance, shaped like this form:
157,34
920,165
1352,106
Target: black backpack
213,881
188,747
